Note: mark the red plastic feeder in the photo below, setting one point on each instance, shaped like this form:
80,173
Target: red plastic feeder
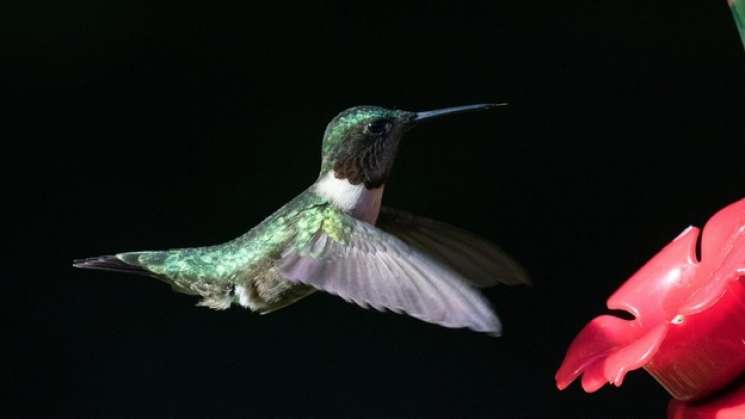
688,330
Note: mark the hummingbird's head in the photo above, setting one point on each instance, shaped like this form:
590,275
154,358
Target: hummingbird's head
360,143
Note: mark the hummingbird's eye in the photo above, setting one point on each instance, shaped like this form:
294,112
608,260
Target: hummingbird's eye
378,127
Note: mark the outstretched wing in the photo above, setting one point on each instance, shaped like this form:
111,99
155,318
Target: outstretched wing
480,262
365,265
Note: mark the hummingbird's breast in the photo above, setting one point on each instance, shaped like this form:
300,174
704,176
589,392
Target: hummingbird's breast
355,200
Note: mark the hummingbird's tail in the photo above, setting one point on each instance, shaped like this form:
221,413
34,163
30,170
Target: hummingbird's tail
110,263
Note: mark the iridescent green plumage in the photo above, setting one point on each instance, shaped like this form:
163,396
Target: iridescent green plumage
326,239
213,271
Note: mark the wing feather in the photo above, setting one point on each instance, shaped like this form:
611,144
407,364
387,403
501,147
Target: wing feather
478,260
372,268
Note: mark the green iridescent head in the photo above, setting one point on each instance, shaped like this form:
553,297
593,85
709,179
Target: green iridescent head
360,143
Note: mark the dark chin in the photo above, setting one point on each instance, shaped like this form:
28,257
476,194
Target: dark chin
372,179
370,165
377,175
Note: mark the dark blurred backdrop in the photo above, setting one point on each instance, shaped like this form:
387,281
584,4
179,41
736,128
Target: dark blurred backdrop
157,126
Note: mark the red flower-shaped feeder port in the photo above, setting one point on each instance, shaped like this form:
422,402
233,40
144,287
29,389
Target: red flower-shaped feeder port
688,327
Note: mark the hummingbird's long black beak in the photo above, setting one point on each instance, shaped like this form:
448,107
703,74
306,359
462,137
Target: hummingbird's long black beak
424,116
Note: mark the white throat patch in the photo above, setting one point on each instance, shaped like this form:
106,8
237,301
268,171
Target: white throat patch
360,202
339,191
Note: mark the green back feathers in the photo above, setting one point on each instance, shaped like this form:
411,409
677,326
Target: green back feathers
296,221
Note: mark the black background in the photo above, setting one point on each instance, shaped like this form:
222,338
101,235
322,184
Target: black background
147,127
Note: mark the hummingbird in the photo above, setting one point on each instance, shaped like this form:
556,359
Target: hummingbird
337,238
